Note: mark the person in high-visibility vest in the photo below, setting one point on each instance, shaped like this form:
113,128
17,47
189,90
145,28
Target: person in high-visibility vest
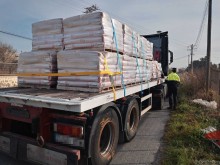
173,81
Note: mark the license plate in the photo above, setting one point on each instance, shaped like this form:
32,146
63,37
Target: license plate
45,156
4,144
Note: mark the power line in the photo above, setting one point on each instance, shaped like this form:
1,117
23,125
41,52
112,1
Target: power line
205,13
15,35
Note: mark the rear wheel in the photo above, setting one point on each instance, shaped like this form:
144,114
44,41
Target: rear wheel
104,139
131,120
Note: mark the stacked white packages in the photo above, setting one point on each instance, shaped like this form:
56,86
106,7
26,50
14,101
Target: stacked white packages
48,35
130,41
143,73
129,69
37,62
87,61
93,61
136,45
145,48
156,69
93,32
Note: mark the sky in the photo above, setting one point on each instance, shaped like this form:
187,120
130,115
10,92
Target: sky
182,20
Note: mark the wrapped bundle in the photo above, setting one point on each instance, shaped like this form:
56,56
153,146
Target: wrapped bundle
87,61
37,62
156,69
145,48
130,41
142,71
92,32
129,69
136,70
48,35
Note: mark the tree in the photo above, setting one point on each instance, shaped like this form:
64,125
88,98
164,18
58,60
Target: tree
7,53
8,59
201,65
91,9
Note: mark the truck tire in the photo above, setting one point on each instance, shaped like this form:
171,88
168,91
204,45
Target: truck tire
131,120
104,140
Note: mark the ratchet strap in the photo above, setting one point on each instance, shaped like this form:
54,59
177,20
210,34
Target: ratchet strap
118,57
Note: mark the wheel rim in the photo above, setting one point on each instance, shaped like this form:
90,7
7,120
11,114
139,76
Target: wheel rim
133,119
106,139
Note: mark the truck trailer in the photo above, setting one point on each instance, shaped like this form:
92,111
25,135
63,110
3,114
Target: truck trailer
60,127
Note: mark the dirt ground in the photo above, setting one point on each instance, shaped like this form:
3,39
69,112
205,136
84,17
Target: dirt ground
8,81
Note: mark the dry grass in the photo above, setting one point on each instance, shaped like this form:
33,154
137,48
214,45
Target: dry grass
8,81
193,86
184,141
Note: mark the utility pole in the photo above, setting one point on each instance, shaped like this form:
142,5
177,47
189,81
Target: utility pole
192,58
209,46
188,60
191,49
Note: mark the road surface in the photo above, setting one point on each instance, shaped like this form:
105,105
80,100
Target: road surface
142,150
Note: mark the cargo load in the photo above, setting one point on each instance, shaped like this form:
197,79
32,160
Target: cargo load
136,45
37,62
93,31
92,43
87,61
133,70
48,35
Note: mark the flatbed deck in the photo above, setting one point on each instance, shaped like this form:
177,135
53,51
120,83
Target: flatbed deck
66,100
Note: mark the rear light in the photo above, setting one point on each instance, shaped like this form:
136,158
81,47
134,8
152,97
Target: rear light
71,130
68,134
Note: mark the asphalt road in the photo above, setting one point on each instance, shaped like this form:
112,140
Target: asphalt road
144,149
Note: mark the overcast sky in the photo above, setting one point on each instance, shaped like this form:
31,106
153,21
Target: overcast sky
182,19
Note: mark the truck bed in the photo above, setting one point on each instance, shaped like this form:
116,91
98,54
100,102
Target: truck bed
66,100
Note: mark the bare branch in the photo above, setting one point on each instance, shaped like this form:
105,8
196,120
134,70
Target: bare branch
91,9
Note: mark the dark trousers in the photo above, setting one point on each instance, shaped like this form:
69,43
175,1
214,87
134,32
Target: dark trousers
172,94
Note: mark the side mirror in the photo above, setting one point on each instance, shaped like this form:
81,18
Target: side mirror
171,57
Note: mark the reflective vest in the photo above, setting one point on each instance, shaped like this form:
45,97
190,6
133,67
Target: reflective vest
173,77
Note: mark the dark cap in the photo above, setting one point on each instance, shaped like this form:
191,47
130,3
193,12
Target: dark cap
174,69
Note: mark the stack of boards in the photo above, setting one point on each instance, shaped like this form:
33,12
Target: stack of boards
87,43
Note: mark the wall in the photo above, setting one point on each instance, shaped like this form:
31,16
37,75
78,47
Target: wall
8,81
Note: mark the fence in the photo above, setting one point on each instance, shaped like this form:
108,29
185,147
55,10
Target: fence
8,68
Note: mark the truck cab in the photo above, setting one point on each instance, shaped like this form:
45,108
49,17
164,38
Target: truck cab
161,50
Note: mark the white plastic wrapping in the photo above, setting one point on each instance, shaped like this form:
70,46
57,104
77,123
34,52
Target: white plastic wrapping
87,61
37,62
145,48
48,35
89,40
135,70
136,45
92,32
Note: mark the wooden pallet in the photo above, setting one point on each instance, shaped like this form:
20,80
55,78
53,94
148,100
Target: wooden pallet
114,51
34,86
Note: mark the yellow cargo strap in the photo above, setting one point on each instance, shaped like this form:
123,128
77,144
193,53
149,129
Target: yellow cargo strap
110,77
67,74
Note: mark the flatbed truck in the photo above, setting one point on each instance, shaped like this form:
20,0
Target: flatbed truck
58,127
